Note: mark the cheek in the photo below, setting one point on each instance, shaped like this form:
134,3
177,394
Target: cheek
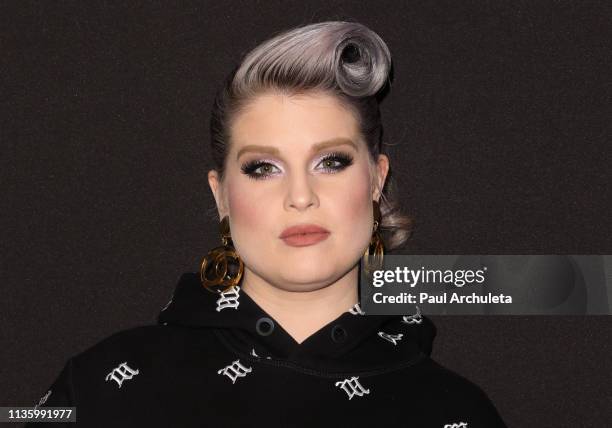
359,204
353,209
247,215
253,218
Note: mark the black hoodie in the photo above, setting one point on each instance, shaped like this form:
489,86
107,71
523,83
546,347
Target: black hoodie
220,360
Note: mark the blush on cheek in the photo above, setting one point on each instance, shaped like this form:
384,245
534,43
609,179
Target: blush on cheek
361,193
361,206
244,213
252,220
357,207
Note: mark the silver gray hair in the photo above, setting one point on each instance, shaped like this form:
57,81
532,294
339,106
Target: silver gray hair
345,59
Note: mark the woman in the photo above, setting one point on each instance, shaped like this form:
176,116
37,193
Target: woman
270,332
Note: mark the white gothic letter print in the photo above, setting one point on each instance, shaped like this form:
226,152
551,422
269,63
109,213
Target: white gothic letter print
393,338
352,387
235,370
356,310
413,319
121,373
229,299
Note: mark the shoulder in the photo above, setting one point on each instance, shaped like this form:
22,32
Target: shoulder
130,339
458,396
140,335
137,348
448,380
453,385
153,354
144,345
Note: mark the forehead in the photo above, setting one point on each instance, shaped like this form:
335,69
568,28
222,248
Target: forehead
274,118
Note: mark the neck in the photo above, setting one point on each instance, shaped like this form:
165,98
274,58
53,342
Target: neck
302,313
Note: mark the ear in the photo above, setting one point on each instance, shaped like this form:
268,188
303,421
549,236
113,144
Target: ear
380,175
217,189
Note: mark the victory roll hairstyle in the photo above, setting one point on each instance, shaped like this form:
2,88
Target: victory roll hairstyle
344,59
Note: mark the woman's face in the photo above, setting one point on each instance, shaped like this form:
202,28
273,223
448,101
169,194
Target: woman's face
298,160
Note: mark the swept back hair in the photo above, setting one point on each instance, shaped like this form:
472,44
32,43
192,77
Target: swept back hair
344,59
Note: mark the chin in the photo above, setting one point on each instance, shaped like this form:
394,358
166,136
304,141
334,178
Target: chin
326,271
307,274
299,264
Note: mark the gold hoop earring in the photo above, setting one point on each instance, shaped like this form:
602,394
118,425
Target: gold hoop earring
374,254
222,267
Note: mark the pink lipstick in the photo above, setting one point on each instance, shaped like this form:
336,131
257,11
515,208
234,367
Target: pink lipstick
303,235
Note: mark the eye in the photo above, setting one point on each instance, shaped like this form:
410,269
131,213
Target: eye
258,170
335,162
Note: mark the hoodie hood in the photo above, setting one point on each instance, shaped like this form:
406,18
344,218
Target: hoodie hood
353,342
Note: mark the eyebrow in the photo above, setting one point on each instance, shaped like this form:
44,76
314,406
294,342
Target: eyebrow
315,148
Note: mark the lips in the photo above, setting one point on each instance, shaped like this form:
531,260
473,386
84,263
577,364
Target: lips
302,230
303,235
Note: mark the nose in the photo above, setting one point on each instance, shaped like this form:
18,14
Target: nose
301,193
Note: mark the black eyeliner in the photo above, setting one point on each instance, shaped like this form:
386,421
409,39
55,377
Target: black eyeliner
344,159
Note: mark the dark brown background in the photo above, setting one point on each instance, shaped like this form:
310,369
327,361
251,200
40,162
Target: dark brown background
498,121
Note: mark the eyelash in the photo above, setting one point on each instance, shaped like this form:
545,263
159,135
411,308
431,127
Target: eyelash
343,159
